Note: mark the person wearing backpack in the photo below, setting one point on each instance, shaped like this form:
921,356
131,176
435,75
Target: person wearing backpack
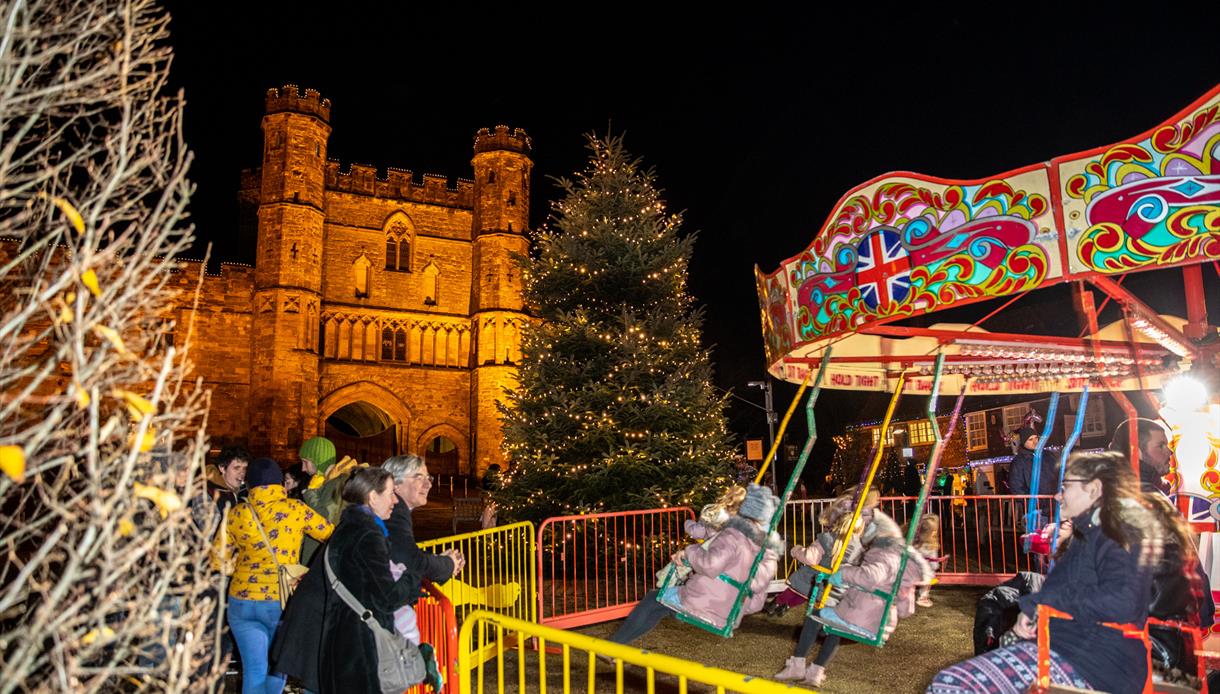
260,535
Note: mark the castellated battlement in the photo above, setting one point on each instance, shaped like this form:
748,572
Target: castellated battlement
399,184
289,98
501,138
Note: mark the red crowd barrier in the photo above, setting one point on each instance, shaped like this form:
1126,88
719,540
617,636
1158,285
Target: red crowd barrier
596,568
980,536
438,626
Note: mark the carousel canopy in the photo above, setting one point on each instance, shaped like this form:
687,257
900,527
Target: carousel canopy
905,245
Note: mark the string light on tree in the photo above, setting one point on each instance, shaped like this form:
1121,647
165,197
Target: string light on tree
615,408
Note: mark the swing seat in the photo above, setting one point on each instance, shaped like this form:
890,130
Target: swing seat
669,598
834,624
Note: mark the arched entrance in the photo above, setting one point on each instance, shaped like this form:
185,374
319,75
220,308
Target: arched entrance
366,421
445,449
442,456
363,431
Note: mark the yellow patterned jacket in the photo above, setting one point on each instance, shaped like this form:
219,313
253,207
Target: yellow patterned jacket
285,521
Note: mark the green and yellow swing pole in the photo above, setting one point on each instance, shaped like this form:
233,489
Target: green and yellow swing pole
742,586
783,426
863,492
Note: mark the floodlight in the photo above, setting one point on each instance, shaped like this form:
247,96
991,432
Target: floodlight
1186,394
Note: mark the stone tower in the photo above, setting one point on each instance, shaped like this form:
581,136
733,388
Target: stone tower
501,217
287,280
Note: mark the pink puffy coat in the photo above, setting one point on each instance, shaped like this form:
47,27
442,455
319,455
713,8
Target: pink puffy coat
876,569
731,552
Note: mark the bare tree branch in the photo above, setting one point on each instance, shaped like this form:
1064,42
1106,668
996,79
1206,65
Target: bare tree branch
103,564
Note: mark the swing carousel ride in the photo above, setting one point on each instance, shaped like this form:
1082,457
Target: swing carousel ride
905,245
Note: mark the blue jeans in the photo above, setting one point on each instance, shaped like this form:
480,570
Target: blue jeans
253,623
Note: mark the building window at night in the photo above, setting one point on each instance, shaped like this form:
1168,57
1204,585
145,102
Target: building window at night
432,284
976,431
398,248
920,433
876,434
393,344
1014,417
1094,419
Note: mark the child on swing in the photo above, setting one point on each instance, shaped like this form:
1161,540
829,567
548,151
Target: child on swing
712,519
728,554
927,543
859,611
800,583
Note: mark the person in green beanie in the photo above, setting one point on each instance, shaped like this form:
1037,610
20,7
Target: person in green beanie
325,491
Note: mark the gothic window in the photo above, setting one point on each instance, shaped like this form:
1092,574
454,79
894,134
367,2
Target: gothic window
387,345
400,345
398,248
393,344
512,198
491,176
432,284
362,276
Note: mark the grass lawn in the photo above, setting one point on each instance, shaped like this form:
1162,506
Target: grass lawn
922,645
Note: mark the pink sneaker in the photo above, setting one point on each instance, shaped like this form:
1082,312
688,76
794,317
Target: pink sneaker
794,669
815,675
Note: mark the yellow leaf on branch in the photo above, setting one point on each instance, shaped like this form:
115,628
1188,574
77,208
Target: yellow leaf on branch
89,279
12,462
112,336
146,444
77,221
95,634
81,395
126,527
137,406
166,501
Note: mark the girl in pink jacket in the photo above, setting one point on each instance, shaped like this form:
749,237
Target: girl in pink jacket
729,553
859,610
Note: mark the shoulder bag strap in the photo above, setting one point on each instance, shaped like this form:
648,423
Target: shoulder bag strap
345,594
259,524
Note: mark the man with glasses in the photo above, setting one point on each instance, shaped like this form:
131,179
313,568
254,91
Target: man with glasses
412,484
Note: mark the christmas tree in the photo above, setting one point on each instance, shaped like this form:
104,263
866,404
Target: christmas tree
614,409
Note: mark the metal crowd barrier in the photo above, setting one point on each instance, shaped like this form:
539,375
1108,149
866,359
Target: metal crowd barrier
980,536
566,661
595,568
499,574
438,626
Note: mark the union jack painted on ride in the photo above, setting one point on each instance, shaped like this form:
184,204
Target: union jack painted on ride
883,269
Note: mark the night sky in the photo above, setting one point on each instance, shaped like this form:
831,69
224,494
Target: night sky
756,125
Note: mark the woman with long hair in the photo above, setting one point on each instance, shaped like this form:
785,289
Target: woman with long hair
1103,574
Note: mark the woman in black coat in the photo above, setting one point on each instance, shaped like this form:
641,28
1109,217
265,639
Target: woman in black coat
339,654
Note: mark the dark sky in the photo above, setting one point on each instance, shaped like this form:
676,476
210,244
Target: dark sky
756,124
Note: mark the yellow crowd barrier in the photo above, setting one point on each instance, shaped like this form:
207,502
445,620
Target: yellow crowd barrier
542,660
501,573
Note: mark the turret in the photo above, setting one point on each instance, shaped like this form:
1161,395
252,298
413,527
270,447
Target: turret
502,170
502,180
288,270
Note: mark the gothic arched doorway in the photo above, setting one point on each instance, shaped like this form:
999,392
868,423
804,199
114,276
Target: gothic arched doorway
442,456
363,431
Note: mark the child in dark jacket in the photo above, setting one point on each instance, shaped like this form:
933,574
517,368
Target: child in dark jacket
800,583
